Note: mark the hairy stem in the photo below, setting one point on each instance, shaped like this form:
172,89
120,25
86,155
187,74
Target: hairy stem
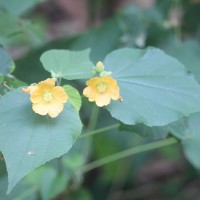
128,152
93,118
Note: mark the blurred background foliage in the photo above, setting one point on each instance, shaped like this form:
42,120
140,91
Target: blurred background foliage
28,28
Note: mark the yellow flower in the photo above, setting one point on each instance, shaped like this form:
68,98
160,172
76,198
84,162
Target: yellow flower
101,90
47,98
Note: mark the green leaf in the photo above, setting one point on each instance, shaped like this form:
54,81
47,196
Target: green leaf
14,82
99,49
9,24
1,79
156,88
191,145
19,7
110,33
32,33
74,96
34,177
81,194
28,140
6,63
137,22
187,52
19,31
67,64
52,183
180,129
48,180
23,191
73,161
155,132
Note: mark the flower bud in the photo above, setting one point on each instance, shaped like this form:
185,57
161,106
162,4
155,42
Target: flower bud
99,67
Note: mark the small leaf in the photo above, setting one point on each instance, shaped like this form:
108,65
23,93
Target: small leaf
6,63
67,64
74,96
28,140
156,88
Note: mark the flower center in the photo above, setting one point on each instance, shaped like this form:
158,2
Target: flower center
47,96
101,87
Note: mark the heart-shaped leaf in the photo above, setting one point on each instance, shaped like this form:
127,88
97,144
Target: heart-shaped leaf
28,140
67,64
155,87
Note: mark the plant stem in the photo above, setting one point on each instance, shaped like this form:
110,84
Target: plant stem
93,118
59,80
82,136
6,86
128,152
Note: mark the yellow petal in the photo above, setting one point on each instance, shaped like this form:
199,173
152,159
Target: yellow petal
59,94
114,92
55,109
95,91
47,84
91,93
32,88
110,81
40,108
48,98
36,98
36,95
103,100
93,81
